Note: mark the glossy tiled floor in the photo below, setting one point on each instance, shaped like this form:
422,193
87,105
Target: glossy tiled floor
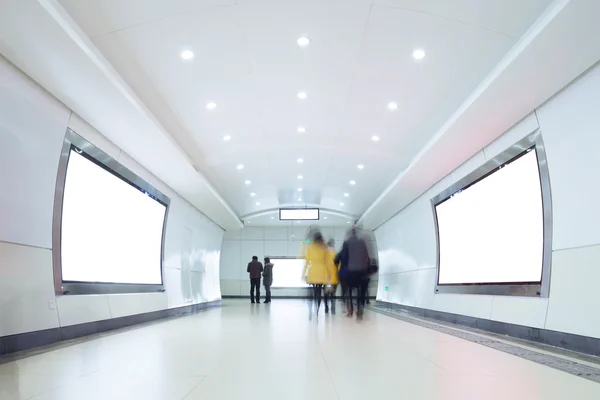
274,352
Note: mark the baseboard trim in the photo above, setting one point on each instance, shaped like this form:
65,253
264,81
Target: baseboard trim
30,340
282,297
567,341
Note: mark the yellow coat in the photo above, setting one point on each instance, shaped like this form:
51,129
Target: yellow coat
319,264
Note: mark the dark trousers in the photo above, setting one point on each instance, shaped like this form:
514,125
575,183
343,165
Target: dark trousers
317,291
255,286
268,290
330,298
360,284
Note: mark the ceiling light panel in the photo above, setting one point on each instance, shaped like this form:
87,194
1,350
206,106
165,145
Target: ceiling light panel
187,54
303,41
418,54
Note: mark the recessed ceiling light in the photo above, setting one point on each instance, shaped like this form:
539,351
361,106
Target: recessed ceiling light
418,54
187,54
227,138
258,203
347,222
346,195
301,129
272,217
299,199
360,166
248,222
252,194
375,138
211,105
300,160
302,95
240,166
353,183
342,204
324,217
300,177
299,189
392,106
247,182
303,41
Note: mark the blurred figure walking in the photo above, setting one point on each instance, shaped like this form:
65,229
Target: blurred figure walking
331,289
268,278
355,261
255,268
318,268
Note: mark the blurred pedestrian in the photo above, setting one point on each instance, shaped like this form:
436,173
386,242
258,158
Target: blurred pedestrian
356,262
331,289
318,267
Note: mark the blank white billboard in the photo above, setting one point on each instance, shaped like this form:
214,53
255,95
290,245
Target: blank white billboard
299,214
492,232
287,272
111,230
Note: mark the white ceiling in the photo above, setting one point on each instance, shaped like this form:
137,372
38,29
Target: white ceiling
247,61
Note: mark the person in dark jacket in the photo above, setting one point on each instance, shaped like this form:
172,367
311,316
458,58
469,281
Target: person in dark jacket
354,270
268,278
255,269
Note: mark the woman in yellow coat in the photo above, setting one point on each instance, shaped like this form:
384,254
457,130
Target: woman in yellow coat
319,267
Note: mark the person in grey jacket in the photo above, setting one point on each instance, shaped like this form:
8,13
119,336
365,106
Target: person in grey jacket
268,278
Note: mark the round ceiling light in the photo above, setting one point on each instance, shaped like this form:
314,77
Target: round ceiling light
353,183
418,54
258,203
247,182
360,166
300,177
346,195
240,167
302,95
300,160
392,106
211,105
301,129
252,194
375,138
303,41
299,199
227,138
187,54
342,204
299,189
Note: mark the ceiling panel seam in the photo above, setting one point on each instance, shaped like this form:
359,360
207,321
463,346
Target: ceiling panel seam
447,19
528,37
70,27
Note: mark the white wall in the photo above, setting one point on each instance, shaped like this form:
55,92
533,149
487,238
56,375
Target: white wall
570,126
32,129
239,246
